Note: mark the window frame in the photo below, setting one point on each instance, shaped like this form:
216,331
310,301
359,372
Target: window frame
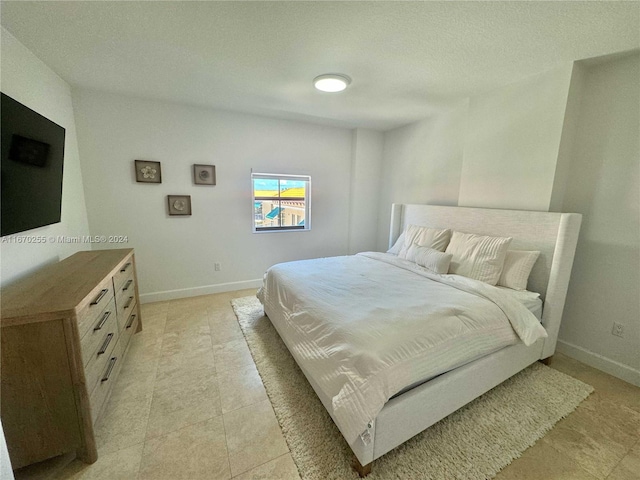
306,199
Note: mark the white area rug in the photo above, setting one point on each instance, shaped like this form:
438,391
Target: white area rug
475,442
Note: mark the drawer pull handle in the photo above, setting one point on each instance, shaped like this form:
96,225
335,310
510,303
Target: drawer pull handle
131,319
128,303
105,344
102,321
127,285
124,269
100,296
112,363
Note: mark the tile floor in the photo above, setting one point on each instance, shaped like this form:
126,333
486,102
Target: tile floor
189,404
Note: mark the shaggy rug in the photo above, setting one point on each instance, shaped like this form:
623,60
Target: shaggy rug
475,442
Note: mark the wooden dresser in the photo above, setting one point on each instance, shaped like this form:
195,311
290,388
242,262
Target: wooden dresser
65,333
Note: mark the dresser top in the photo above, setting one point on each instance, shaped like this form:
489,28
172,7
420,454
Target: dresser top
58,289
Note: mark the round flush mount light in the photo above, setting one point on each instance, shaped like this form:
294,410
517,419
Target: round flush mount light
331,82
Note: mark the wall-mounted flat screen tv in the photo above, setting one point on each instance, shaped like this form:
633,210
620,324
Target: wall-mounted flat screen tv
31,176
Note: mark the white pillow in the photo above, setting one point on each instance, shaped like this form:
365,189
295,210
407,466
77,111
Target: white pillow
437,262
478,256
516,269
425,237
398,245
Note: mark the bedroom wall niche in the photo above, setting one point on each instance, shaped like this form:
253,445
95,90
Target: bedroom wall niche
29,81
512,143
605,187
176,259
565,140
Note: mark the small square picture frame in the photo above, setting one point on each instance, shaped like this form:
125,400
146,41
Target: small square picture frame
179,204
148,171
204,174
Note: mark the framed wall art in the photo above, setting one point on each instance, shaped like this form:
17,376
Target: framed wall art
179,204
204,174
148,172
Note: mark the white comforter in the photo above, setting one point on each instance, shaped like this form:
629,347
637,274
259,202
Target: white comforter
367,326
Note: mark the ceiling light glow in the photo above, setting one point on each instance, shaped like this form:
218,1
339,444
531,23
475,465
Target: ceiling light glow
332,82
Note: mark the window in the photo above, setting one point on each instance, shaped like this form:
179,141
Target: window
281,202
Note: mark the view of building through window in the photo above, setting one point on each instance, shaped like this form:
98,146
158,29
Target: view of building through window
281,202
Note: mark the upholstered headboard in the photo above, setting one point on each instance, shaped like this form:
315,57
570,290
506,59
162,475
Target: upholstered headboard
555,235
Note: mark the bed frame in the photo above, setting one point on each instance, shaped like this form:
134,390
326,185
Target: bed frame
555,235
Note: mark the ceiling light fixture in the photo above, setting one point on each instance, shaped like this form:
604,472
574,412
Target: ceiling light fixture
331,82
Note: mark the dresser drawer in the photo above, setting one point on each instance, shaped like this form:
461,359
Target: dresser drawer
125,304
106,322
99,360
107,379
88,316
129,328
122,275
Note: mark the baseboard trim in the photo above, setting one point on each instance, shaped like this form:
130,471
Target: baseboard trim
595,360
197,291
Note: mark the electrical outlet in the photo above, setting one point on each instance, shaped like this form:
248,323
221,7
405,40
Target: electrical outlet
216,267
618,330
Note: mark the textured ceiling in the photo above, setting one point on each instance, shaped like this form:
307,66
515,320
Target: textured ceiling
406,59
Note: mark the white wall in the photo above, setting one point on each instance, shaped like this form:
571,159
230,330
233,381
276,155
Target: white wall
421,164
563,174
366,167
176,255
604,186
29,81
512,141
6,473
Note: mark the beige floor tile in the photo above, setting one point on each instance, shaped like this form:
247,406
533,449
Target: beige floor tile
282,468
253,437
232,355
142,357
123,423
240,388
119,465
183,387
185,310
188,341
153,326
143,348
199,409
224,328
199,357
133,383
183,395
599,417
187,324
542,462
192,453
611,388
598,455
629,466
149,335
155,308
137,376
152,313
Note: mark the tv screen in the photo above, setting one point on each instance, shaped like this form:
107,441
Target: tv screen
32,161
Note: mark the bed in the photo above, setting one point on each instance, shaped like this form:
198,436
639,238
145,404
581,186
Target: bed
391,348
